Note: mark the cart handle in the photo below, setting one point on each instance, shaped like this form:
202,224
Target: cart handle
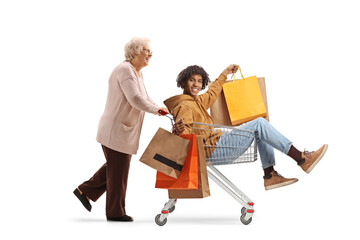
162,112
168,115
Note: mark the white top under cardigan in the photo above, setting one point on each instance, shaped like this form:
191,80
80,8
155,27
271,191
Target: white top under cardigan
127,101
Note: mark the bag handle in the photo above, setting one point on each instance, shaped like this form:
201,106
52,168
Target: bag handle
233,76
171,117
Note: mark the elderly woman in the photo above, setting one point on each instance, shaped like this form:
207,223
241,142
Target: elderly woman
190,107
119,131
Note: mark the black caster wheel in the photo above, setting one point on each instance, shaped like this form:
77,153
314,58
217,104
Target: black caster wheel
243,210
245,222
158,222
171,209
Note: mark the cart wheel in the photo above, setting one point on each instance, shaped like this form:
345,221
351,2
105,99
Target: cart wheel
171,209
158,222
243,210
245,222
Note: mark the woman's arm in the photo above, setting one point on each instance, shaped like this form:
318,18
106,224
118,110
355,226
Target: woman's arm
130,87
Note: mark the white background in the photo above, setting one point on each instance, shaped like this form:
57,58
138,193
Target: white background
55,60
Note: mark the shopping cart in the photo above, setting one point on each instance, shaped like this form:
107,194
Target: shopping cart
223,145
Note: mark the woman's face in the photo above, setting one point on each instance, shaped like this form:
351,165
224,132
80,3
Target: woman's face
193,85
143,58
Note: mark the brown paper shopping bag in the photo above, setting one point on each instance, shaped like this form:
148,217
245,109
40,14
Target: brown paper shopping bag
203,190
262,85
219,111
166,153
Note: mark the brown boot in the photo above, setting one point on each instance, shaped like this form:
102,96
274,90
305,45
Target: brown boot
275,180
312,158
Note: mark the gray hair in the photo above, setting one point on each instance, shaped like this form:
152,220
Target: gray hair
134,47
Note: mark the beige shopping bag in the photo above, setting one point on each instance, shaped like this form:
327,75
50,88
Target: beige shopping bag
203,189
219,111
166,153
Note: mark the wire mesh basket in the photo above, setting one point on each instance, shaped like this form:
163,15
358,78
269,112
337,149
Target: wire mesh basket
226,145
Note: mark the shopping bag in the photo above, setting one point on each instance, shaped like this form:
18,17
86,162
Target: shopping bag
166,153
244,100
262,85
220,113
203,190
188,178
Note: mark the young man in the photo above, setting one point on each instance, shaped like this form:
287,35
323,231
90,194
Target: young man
190,107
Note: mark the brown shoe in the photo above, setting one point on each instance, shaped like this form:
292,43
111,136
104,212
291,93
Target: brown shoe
312,158
275,180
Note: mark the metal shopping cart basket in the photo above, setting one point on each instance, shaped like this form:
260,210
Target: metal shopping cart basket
223,145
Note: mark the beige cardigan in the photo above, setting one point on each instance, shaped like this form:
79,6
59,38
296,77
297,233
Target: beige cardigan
127,102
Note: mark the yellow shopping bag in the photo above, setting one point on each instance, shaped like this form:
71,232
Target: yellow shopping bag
243,99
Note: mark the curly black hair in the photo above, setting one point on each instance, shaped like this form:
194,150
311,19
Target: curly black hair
185,74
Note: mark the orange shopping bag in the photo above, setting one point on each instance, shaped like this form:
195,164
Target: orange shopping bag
189,177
